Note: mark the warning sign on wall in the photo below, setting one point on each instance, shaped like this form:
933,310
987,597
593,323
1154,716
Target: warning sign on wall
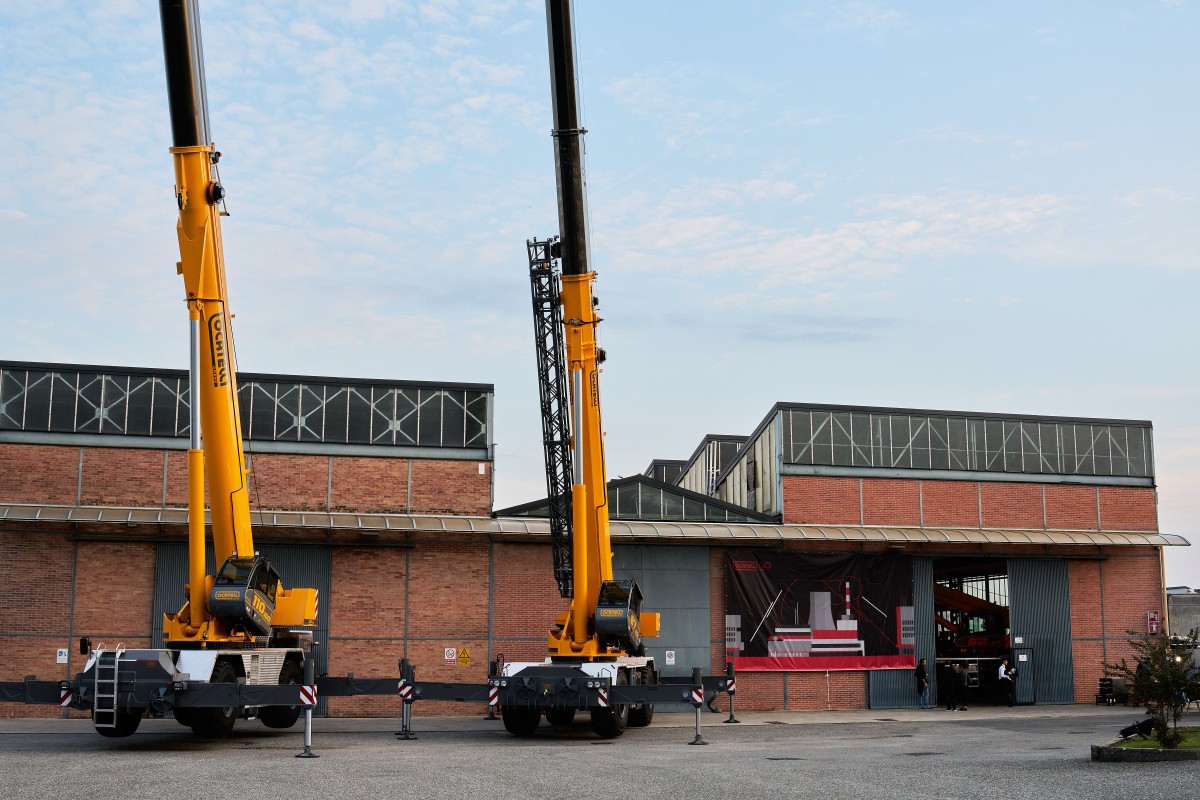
451,655
464,656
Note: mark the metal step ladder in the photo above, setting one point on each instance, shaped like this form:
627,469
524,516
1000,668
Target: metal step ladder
107,671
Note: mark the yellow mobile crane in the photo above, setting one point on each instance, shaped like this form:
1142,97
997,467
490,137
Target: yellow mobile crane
600,637
240,625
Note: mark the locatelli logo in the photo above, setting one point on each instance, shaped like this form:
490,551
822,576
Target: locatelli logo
227,595
216,340
749,565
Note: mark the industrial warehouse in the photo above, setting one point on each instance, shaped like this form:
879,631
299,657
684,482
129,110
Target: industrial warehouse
822,554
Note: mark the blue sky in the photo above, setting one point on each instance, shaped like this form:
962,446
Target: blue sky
964,206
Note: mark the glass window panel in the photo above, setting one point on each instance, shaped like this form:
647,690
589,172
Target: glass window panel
627,501
87,410
311,420
1085,455
430,423
672,506
476,419
453,422
1067,451
650,502
881,441
993,445
920,442
822,438
337,402
842,444
976,435
164,405
1118,435
939,443
798,432
406,414
1102,449
1136,444
263,403
693,510
860,438
358,414
957,436
1025,444
25,400
112,410
387,408
287,412
901,437
1048,460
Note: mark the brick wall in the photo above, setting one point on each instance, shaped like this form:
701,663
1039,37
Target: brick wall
39,474
819,500
891,502
950,504
119,476
1109,598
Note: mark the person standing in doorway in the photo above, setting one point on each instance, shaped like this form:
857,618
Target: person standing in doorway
922,675
963,677
1005,681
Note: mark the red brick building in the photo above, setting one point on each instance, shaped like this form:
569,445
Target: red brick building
379,494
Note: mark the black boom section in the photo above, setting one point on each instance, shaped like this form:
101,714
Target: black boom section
552,385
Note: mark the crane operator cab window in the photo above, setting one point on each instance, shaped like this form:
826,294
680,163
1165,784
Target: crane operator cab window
243,594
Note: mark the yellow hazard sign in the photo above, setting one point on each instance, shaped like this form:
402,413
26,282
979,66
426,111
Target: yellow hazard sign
464,656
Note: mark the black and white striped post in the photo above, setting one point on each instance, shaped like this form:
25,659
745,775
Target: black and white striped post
697,701
308,697
405,690
731,689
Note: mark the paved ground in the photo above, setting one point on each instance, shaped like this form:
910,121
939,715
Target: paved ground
1000,754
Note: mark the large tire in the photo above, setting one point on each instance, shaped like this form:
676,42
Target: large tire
283,716
185,716
560,717
609,723
521,721
127,723
216,723
641,715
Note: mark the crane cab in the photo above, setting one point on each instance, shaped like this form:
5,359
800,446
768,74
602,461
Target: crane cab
244,593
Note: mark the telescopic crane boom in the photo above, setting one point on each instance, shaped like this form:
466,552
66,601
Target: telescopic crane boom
244,602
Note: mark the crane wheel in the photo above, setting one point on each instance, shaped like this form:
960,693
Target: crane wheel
127,723
560,717
216,723
283,716
609,723
521,721
641,715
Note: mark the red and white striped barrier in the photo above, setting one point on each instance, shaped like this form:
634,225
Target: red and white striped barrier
316,604
697,696
602,697
65,697
308,695
731,685
404,690
493,695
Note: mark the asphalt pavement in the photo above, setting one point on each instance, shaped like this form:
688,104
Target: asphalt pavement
1009,753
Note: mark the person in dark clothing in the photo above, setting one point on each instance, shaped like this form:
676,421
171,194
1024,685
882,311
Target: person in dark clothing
962,685
950,675
922,677
1004,680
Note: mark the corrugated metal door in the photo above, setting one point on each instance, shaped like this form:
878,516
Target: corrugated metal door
674,580
300,565
1040,622
897,688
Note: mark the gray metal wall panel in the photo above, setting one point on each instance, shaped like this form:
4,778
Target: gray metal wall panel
674,581
299,565
897,688
1040,617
